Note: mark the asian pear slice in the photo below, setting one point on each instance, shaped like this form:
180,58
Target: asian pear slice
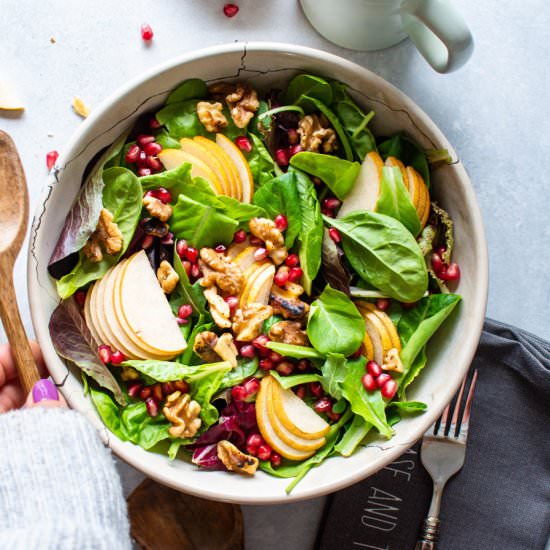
261,287
240,163
251,275
296,416
88,317
146,309
386,321
366,189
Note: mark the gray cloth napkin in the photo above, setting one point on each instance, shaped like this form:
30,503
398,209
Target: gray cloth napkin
500,500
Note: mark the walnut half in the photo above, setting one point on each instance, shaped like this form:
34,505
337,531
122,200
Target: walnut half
167,277
289,332
266,230
235,460
248,322
183,413
221,272
107,237
211,116
315,135
157,208
211,348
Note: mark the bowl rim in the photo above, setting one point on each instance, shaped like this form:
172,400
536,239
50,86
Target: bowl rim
477,309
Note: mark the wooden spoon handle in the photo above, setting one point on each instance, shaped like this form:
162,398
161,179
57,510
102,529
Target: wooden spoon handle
9,313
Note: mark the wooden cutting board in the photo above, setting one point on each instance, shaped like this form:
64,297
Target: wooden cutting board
165,519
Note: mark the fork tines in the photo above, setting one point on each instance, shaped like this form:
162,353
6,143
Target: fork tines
459,412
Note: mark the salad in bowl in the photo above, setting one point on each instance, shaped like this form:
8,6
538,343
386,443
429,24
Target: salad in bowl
249,277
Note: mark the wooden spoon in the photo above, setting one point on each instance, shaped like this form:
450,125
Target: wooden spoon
164,519
14,213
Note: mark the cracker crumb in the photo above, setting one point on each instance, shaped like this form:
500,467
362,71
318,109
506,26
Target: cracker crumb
52,40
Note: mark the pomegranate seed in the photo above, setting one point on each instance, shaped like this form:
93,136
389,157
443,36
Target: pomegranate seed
248,351
145,392
255,241
181,321
195,271
333,416
328,213
185,311
154,163
251,450
282,157
368,381
292,260
187,266
452,273
292,136
254,440
168,239
243,143
157,392
80,297
105,353
181,248
331,204
239,236
260,342
263,452
382,379
220,249
238,393
281,222
144,139
251,387
275,460
147,242
440,250
192,254
167,388
275,357
134,388
117,357
437,262
281,277
144,172
323,405
146,35
294,150
316,389
260,254
230,10
51,157
302,365
152,407
300,391
153,148
142,159
389,388
232,302
374,369
295,274
266,364
132,155
154,124
285,368
383,303
334,234
181,385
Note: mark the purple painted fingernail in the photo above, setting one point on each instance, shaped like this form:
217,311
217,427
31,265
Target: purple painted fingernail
44,390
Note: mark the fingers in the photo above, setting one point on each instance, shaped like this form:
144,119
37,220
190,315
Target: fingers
12,396
8,371
45,394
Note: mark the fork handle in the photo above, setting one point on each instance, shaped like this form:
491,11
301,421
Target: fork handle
429,535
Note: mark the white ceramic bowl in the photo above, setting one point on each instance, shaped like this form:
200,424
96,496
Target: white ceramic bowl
270,64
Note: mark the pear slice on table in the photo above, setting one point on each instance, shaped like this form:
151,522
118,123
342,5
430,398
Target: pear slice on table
141,305
296,416
366,189
240,162
227,164
174,158
290,438
266,429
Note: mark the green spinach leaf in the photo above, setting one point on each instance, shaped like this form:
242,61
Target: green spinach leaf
262,166
353,436
192,88
295,379
245,369
181,120
383,253
311,86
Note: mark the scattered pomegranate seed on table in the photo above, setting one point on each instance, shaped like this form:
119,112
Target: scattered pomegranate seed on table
243,143
146,32
230,10
281,222
51,157
334,234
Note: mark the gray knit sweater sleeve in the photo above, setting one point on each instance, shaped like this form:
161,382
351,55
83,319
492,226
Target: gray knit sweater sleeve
58,485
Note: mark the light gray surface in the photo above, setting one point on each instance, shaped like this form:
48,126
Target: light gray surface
495,111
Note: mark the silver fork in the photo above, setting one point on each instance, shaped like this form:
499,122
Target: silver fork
443,456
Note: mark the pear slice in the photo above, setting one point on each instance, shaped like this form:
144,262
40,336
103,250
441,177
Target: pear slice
261,287
174,158
366,189
365,307
266,429
193,148
145,308
378,333
236,248
296,416
240,162
427,203
89,320
287,436
251,275
227,164
95,320
369,347
245,258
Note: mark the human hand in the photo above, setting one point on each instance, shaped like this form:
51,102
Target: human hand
12,395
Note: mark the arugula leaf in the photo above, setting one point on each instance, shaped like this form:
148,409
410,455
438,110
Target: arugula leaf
394,200
407,152
334,324
295,379
409,406
192,88
338,174
311,235
383,253
353,436
261,165
369,405
296,352
334,372
280,196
